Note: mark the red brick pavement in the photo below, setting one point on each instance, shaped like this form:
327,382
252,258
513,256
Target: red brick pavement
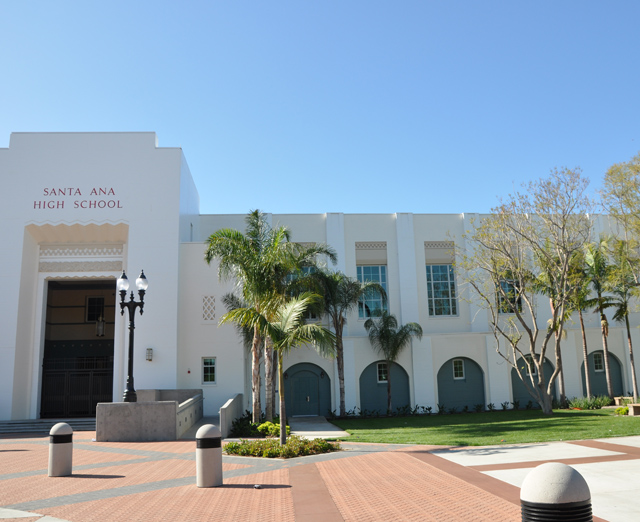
407,485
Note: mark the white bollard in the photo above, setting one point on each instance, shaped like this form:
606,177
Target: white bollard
209,457
60,450
554,492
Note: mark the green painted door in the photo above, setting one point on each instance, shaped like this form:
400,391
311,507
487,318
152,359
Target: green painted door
304,392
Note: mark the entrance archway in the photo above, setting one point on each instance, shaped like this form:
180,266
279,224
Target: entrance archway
307,390
77,366
373,388
520,393
461,384
597,375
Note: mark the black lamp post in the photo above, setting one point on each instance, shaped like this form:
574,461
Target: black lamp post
123,286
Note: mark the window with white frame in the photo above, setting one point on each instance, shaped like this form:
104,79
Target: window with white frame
598,362
372,303
441,290
382,372
458,369
208,370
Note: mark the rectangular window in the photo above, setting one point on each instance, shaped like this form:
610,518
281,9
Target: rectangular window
509,299
372,303
208,370
598,362
458,369
382,372
441,290
95,309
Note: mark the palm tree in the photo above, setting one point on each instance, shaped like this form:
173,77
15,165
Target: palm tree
624,288
389,340
341,294
598,272
288,329
260,261
252,259
579,301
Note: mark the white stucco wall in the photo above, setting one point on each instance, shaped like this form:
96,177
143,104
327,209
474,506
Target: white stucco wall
77,192
75,189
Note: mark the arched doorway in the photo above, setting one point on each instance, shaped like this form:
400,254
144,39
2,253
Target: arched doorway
373,388
77,365
597,374
461,384
520,393
307,390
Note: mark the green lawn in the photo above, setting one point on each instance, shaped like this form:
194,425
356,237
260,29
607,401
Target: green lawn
481,429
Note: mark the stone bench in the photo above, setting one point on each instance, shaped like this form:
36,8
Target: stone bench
620,401
634,409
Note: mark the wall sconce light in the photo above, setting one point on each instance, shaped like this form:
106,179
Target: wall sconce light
149,354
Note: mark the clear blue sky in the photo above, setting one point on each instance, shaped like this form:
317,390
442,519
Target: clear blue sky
337,105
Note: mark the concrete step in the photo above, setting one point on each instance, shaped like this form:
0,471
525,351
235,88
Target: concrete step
45,425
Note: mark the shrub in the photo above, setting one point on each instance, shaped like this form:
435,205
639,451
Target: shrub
441,409
403,411
590,403
271,448
622,410
516,405
529,405
478,408
243,427
505,405
427,409
491,406
269,429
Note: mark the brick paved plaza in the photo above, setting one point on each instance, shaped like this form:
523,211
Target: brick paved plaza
156,481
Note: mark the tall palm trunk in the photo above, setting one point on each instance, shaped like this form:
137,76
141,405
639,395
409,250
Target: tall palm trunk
633,366
389,410
340,362
268,378
274,379
283,411
255,375
604,328
585,355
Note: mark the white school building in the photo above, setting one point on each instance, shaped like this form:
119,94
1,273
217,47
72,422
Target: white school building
78,208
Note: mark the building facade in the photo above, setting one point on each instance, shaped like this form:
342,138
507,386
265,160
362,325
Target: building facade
78,208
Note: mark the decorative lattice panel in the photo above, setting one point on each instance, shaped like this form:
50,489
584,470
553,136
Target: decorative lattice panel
208,308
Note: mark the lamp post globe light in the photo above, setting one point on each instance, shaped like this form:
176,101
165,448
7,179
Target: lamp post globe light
131,305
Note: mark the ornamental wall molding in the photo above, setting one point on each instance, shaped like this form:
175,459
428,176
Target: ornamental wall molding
371,245
80,266
439,244
81,251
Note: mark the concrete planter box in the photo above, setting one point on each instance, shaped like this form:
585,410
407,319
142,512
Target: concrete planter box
157,416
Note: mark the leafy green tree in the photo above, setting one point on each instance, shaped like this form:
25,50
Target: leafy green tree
623,287
389,339
598,271
621,197
340,295
531,234
288,329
